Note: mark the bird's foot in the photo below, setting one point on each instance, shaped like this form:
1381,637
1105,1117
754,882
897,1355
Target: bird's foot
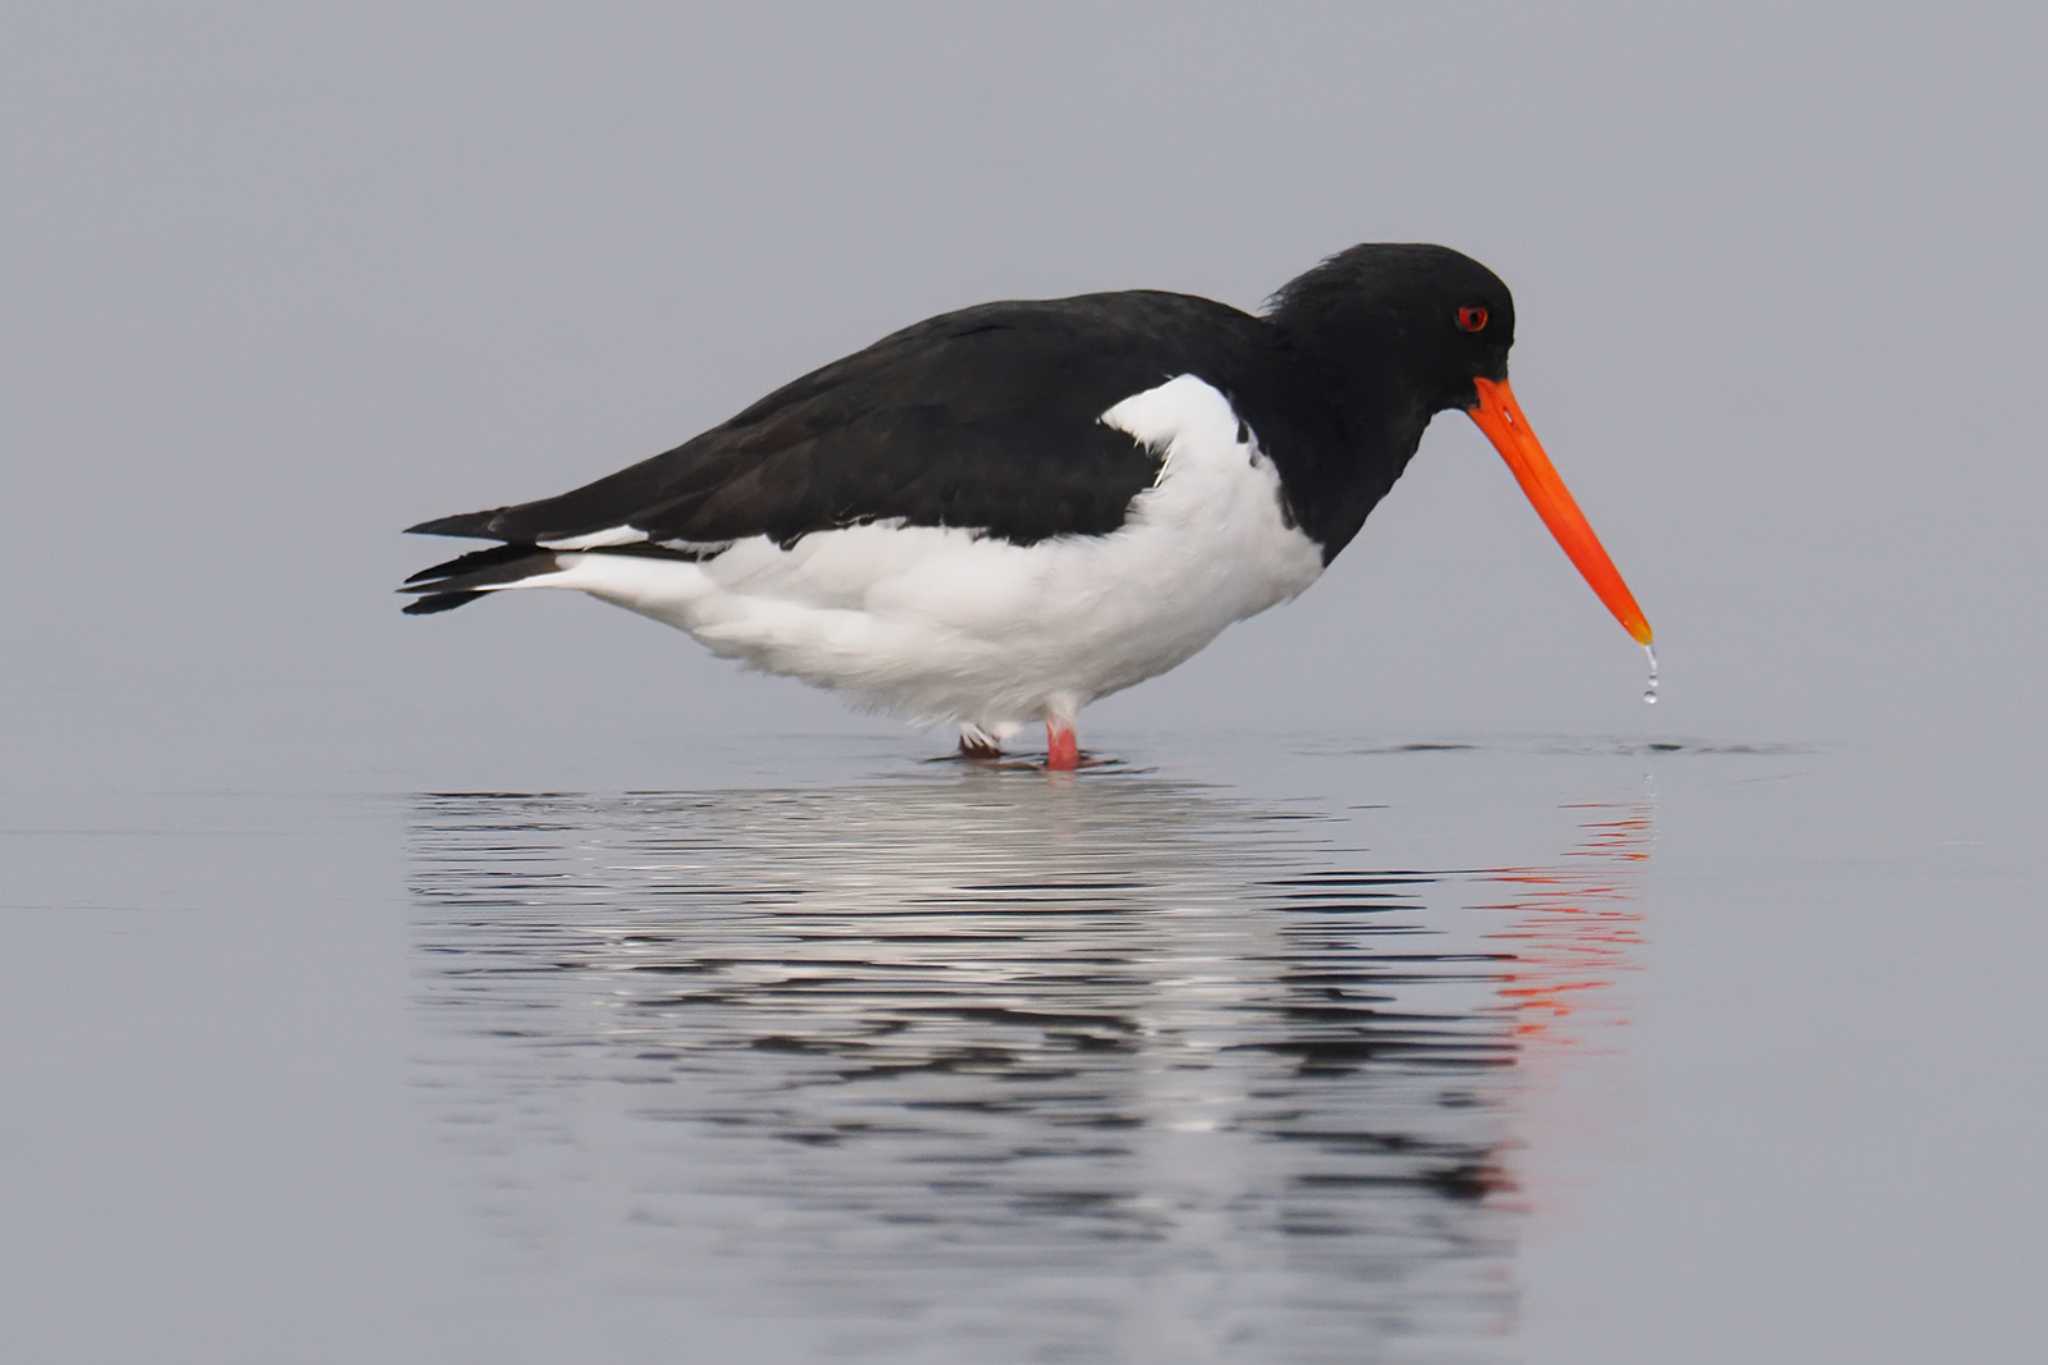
976,746
979,749
1013,763
1062,753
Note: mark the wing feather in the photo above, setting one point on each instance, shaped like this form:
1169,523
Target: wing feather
985,418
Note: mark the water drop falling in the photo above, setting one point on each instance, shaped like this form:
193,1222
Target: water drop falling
1650,692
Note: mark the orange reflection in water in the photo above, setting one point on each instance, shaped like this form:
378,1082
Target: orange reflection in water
1576,926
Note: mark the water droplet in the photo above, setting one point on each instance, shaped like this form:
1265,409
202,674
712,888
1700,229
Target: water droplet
1650,692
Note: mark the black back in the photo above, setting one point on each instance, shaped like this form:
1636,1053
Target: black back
987,418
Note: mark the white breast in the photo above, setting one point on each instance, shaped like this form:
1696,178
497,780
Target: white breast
948,624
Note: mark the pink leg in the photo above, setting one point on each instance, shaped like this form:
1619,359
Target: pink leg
1062,748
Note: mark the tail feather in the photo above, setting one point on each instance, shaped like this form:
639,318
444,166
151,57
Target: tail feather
491,557
459,581
439,601
463,579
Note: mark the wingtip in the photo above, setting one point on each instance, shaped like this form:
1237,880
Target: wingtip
461,524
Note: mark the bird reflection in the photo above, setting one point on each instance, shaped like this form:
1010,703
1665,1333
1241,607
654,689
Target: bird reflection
1095,1055
1576,926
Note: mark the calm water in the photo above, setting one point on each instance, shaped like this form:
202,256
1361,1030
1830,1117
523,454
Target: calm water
1396,1051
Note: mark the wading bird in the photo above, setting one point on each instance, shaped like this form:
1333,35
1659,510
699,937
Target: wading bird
998,515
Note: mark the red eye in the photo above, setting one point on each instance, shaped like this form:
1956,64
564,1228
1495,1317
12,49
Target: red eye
1472,319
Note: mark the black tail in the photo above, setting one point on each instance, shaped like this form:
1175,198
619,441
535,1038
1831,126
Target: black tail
465,578
439,601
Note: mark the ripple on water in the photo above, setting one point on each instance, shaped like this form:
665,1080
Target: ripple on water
984,1054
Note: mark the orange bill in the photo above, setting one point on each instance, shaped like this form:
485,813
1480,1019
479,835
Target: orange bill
1500,417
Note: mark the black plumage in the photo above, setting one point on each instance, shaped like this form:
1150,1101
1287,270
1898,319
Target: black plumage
987,419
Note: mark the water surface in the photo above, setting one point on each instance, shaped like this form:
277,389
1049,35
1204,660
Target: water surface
1405,1049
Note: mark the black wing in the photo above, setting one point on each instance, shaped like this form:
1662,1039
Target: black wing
984,419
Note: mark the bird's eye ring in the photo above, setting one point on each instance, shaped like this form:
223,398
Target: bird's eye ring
1472,319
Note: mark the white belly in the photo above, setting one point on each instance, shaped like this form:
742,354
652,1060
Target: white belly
945,624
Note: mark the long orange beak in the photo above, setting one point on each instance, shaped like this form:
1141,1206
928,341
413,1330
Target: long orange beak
1500,417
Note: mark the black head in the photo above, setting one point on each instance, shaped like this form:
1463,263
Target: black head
1420,318
1398,333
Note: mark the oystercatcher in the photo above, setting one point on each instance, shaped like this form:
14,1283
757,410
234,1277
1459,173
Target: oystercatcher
1000,514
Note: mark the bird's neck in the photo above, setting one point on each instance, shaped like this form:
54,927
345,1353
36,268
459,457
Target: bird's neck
1342,465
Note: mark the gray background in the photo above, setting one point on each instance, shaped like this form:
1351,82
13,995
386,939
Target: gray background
280,281
276,282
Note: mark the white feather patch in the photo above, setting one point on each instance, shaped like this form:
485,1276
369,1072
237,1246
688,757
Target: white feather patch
946,623
597,540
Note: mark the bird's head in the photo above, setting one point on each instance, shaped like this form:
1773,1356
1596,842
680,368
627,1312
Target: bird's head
1427,329
1423,320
